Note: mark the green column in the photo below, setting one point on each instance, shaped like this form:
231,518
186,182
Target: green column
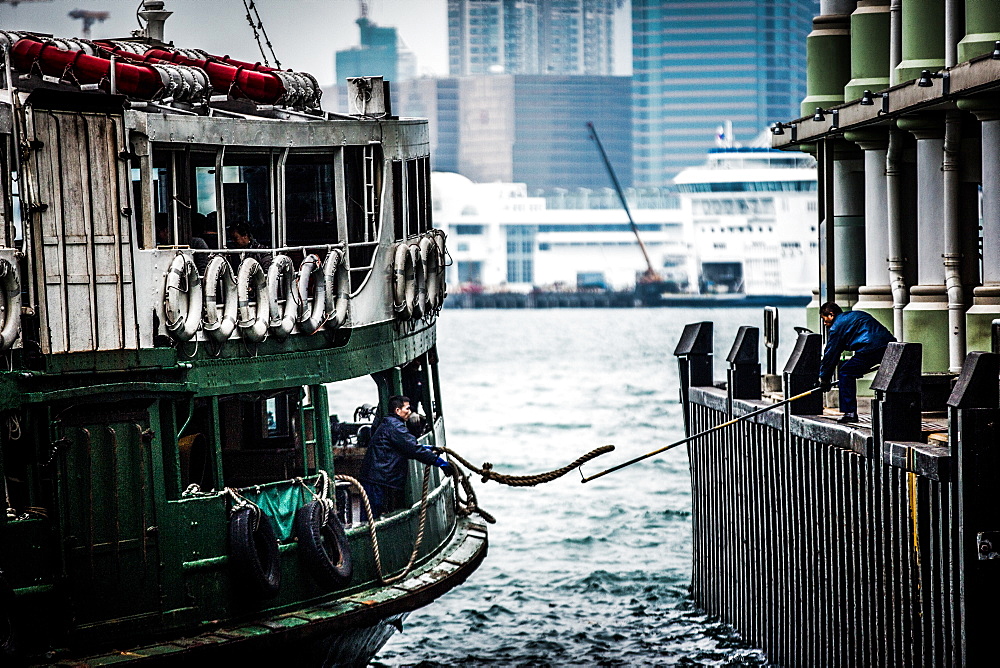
828,62
982,29
923,39
869,55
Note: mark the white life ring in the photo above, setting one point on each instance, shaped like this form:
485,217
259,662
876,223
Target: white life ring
419,303
281,286
433,271
439,240
312,316
10,306
338,287
404,290
182,298
252,321
219,271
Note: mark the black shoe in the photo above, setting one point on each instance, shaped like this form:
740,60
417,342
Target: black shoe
848,417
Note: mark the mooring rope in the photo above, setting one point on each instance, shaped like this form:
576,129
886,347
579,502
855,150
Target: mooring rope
488,473
464,506
374,534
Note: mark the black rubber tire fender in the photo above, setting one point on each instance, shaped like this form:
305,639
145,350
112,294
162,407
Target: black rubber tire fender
253,550
323,544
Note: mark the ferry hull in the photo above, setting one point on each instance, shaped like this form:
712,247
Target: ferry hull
344,632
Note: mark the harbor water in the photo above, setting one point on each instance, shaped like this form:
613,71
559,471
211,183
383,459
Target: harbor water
577,574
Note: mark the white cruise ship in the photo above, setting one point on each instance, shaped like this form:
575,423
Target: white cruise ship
751,220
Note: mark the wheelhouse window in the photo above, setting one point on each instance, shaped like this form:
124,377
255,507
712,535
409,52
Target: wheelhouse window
412,202
164,189
246,194
363,185
310,200
184,197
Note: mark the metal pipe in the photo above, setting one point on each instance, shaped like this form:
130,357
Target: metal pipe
953,23
897,258
705,432
895,38
953,242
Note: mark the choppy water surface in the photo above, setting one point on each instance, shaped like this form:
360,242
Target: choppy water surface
577,574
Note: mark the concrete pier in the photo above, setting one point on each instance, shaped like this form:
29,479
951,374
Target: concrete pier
872,544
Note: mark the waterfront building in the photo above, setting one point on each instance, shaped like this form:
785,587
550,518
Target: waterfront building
502,239
530,37
699,63
734,225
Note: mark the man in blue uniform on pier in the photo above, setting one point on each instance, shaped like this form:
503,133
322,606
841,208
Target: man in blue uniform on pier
383,470
857,331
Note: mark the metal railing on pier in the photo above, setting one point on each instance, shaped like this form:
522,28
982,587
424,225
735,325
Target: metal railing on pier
839,545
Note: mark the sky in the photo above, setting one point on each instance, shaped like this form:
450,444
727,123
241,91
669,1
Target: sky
304,33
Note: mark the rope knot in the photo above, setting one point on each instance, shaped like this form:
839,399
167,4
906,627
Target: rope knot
487,471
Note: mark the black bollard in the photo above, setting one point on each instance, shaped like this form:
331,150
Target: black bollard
694,362
801,373
896,409
974,439
744,365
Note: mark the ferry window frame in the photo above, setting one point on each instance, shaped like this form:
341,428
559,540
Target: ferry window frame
265,215
301,159
363,190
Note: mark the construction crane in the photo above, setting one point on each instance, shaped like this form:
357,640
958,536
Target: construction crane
651,276
89,18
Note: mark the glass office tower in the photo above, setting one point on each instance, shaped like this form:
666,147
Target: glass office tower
697,64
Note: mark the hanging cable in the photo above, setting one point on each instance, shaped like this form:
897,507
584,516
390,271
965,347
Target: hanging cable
258,30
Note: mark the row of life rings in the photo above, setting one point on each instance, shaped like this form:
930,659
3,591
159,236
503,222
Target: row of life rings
254,301
322,542
10,305
418,267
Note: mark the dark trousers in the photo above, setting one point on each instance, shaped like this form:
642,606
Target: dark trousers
848,373
381,497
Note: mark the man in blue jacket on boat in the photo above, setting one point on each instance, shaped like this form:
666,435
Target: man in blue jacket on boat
383,470
857,331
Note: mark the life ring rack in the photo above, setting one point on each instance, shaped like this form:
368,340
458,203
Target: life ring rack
182,298
219,271
252,323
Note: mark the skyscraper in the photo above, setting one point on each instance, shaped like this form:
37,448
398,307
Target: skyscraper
530,36
697,64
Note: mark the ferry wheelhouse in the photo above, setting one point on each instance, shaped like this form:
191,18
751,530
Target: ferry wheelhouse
175,483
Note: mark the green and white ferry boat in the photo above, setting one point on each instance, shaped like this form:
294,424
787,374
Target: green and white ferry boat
176,487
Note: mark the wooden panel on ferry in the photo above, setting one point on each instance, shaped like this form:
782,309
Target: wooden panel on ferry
110,516
81,239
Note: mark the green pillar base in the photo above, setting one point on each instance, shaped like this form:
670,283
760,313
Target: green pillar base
856,87
908,70
882,314
927,323
828,63
979,325
978,44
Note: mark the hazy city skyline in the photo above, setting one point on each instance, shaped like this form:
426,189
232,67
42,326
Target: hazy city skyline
304,33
